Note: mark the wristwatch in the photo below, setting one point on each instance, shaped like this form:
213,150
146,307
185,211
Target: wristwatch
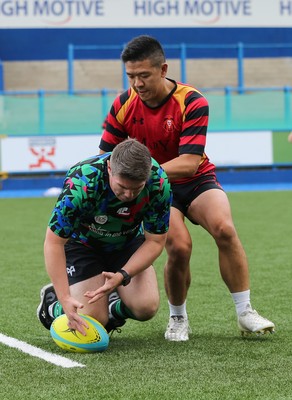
126,277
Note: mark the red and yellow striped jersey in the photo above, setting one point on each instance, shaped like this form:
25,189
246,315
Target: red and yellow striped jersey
177,126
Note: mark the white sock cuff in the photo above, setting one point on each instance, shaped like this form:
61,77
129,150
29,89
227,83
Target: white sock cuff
241,296
178,310
241,301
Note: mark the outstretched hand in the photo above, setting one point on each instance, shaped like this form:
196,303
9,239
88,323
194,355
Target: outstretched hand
75,322
112,280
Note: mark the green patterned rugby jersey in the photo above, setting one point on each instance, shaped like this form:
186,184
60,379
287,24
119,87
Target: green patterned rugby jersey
88,211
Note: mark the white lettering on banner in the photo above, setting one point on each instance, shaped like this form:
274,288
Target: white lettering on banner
68,8
144,13
197,7
285,7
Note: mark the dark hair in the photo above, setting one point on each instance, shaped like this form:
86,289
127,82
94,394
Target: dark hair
130,159
144,47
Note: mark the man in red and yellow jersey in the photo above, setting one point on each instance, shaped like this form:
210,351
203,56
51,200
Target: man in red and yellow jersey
171,119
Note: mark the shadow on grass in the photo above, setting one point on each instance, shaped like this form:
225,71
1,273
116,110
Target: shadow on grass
136,342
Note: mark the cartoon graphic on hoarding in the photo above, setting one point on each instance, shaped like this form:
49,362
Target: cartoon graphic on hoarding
44,151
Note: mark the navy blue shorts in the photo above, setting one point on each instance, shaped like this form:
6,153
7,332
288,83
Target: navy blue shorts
185,193
84,262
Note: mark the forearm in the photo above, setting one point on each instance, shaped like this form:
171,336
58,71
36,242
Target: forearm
183,166
56,269
55,262
143,258
145,255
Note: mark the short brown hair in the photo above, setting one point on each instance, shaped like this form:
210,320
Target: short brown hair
130,159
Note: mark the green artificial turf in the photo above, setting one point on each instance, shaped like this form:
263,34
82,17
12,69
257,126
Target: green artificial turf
216,363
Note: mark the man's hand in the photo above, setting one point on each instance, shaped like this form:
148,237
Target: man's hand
112,281
70,306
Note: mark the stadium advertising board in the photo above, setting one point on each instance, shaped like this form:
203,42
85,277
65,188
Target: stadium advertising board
240,148
45,153
144,13
59,153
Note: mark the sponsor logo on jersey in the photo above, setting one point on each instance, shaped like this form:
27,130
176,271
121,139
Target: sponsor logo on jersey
124,211
138,121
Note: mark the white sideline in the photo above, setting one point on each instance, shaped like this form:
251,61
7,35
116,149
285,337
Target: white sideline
36,352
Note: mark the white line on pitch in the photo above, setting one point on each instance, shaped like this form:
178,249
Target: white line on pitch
36,352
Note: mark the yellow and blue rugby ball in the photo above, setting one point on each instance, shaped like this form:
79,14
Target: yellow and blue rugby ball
96,339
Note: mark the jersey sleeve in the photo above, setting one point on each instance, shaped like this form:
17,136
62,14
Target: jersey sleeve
194,129
73,202
156,219
114,132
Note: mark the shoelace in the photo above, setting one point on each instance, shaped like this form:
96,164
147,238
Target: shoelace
118,330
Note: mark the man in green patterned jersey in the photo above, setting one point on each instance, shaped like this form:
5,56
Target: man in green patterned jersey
107,228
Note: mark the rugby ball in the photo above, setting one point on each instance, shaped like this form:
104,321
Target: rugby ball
96,339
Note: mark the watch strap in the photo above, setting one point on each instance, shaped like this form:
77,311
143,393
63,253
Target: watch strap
126,277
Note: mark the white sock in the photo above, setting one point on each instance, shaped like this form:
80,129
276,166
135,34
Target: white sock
50,309
241,301
178,310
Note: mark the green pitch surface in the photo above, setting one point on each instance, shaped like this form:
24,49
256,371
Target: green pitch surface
216,363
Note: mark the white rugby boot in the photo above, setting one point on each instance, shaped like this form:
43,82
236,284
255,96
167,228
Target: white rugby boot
178,329
250,322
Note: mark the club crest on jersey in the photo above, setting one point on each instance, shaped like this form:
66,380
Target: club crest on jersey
168,124
124,211
100,219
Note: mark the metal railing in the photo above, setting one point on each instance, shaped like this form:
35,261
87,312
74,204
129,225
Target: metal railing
186,51
58,112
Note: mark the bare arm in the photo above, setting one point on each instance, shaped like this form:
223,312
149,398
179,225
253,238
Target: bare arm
183,166
146,254
140,260
55,261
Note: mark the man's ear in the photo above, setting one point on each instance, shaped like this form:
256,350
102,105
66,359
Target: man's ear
164,68
109,166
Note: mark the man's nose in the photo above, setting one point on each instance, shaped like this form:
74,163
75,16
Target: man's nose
129,194
138,81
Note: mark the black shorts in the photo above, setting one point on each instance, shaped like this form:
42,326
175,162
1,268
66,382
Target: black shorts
84,262
185,193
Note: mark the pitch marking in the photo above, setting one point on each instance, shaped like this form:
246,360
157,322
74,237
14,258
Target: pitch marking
36,352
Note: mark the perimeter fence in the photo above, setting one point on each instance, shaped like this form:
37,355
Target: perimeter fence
52,113
47,112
